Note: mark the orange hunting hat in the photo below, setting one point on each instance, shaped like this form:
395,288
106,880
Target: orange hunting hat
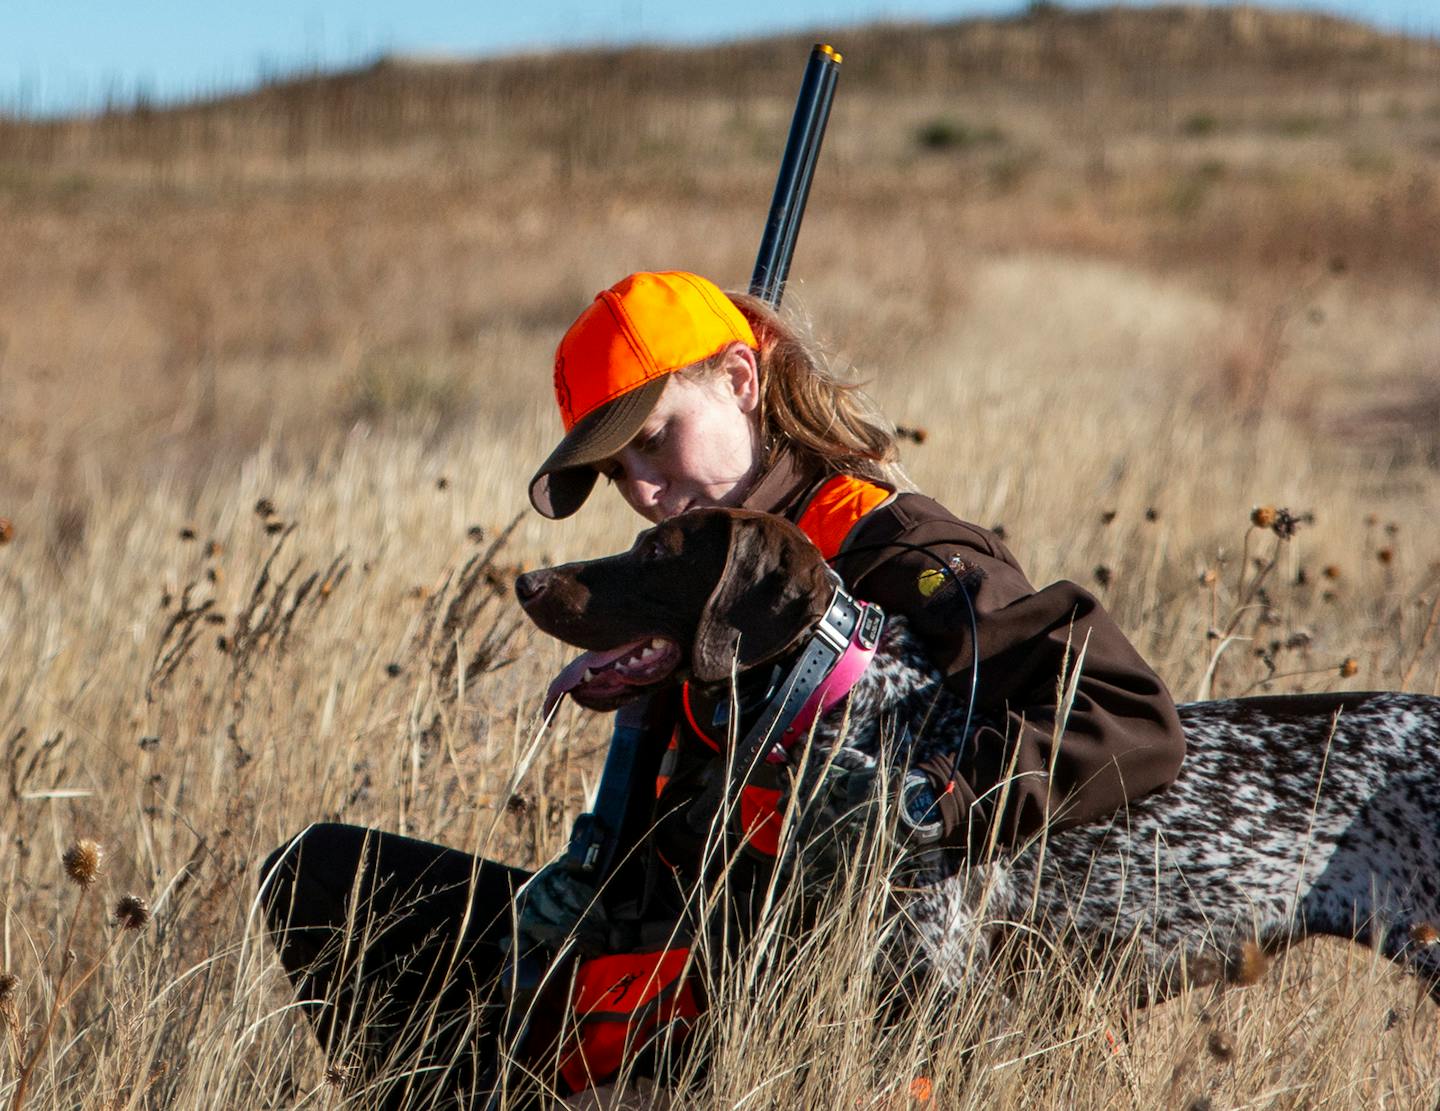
611,365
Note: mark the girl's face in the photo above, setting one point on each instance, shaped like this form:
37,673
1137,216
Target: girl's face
700,445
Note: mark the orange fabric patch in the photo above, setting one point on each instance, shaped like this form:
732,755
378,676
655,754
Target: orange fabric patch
836,509
760,818
618,1002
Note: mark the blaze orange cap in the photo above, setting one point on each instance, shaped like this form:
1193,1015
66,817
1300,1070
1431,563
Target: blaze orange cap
611,365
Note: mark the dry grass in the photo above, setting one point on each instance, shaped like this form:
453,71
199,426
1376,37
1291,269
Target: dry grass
1134,274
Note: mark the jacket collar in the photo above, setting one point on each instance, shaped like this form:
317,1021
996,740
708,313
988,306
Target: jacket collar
784,488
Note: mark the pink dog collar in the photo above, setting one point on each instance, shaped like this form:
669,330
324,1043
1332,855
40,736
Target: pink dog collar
859,651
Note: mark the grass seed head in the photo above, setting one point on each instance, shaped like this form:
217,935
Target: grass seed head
132,912
7,530
1209,577
8,983
1386,556
1263,516
1332,571
265,508
1220,1046
82,862
1349,667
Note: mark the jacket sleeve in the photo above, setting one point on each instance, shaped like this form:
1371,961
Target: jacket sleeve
1122,737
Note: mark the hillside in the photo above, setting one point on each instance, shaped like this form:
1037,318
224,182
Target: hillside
407,207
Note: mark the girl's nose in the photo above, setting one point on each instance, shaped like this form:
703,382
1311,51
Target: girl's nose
642,487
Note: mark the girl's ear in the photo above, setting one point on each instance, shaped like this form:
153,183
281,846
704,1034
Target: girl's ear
771,593
743,368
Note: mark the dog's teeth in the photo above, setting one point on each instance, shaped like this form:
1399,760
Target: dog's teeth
657,643
587,676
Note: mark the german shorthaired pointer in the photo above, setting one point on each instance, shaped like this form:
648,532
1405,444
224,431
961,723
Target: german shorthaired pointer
1292,816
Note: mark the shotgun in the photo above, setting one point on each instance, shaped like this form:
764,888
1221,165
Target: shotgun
642,727
625,797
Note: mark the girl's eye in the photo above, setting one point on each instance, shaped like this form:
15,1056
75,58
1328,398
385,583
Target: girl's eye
650,442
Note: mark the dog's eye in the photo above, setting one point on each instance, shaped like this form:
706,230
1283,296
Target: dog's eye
654,547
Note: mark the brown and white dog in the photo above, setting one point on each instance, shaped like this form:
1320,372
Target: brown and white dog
1292,815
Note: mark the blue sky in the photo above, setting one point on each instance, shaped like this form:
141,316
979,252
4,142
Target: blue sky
66,55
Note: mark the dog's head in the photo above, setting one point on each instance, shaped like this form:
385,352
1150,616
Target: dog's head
693,595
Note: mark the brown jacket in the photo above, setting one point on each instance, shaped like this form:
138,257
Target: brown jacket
1122,737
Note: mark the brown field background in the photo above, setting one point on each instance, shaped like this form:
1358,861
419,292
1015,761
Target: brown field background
1131,273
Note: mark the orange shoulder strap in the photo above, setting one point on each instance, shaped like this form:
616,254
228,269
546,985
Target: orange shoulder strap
836,508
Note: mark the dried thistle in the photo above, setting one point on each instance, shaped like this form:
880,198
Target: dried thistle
272,527
187,533
1386,556
132,912
1220,1046
1331,571
82,862
1107,516
1286,524
7,530
1209,577
1103,575
1152,514
1349,667
1424,933
1263,516
8,983
265,508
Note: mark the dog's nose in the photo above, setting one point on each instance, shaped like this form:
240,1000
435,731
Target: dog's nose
531,585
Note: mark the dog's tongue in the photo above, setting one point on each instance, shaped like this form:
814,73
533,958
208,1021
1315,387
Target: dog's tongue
574,672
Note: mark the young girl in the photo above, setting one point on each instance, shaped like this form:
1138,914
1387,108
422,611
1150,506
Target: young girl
683,397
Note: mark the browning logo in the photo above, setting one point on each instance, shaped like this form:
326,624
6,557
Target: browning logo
621,988
562,391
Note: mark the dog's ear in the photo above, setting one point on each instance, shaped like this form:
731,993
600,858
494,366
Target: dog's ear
772,591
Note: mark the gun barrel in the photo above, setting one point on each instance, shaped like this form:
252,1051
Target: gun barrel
797,171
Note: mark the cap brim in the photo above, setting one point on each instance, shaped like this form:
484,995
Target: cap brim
566,478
